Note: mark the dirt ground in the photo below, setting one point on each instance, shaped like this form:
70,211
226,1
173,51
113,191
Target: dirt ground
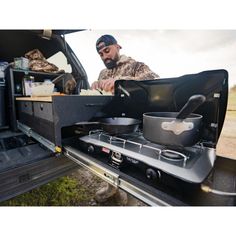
227,142
90,183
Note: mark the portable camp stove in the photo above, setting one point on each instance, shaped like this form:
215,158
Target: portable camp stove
191,164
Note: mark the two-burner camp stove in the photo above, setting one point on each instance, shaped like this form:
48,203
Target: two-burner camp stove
190,164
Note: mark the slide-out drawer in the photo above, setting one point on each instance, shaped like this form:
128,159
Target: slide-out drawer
25,107
43,110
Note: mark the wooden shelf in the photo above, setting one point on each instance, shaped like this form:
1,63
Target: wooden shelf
35,99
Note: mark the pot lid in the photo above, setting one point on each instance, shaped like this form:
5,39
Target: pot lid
170,95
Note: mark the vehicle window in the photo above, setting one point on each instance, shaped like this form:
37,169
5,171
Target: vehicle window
60,61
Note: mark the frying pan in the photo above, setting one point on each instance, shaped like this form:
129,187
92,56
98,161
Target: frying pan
116,125
173,128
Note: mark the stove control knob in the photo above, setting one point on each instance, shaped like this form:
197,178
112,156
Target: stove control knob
116,156
152,174
90,148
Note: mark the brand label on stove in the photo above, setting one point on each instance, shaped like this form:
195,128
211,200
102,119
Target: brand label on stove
106,150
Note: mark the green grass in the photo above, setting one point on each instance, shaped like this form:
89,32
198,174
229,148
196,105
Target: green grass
63,192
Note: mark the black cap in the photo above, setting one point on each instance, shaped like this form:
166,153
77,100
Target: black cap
107,40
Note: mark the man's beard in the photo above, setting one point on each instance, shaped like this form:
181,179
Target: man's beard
110,64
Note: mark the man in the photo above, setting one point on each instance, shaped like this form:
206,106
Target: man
117,67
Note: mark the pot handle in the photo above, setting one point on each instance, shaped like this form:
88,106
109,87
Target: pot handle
192,104
177,127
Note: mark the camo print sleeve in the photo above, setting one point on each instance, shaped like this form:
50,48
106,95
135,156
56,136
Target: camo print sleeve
103,75
128,69
143,72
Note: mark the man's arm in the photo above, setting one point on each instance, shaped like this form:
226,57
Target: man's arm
139,71
143,72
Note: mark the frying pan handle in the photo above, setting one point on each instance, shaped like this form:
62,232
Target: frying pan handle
87,123
192,104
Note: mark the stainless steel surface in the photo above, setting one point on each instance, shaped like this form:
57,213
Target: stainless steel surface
177,127
112,178
29,132
190,164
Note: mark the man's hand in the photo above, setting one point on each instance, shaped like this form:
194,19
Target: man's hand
95,85
106,85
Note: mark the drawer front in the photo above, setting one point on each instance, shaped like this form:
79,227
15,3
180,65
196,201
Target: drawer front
25,107
43,110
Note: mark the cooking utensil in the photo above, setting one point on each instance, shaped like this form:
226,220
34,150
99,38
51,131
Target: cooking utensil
192,104
116,125
173,128
58,79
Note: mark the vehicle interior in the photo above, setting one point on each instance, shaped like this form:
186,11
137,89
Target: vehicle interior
19,152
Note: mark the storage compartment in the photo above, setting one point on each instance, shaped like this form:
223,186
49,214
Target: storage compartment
51,114
43,110
26,107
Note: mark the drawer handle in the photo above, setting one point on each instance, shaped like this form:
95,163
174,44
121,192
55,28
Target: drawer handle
41,107
94,104
25,104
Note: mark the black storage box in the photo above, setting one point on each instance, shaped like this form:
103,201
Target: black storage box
47,118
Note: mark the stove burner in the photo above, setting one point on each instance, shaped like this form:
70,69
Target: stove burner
134,150
138,144
115,140
172,155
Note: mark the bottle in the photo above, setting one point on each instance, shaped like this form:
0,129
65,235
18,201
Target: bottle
27,85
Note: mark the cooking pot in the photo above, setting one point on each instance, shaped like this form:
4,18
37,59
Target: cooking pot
174,128
116,125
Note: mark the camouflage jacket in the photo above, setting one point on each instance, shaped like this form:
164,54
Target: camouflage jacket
128,68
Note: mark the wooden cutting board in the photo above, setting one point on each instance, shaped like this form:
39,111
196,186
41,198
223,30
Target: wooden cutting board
39,99
36,99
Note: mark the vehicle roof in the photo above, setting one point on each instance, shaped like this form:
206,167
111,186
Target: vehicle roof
15,43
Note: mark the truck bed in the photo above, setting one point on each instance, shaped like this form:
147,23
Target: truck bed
26,164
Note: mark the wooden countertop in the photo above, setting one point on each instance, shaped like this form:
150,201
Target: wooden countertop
36,99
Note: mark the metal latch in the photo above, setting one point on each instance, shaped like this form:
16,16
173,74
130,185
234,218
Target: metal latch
113,178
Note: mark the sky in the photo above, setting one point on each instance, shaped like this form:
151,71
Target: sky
169,53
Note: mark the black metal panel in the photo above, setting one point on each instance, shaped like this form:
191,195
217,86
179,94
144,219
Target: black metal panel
26,177
26,107
69,110
43,127
43,110
171,94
